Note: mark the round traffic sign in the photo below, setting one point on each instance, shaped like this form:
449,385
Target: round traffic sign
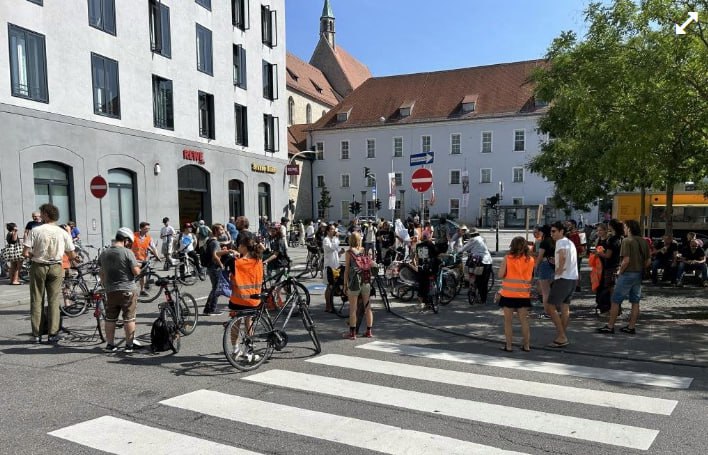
422,180
99,187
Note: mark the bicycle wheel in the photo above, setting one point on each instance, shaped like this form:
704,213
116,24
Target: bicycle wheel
100,315
405,293
434,298
310,327
189,313
187,272
314,264
150,287
449,288
291,290
491,280
76,297
472,294
246,349
175,337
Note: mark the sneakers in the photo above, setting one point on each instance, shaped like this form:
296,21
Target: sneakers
53,339
110,348
349,335
37,340
606,329
368,334
628,330
128,349
212,313
144,294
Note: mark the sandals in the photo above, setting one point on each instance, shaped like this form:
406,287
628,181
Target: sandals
504,348
607,329
556,344
526,348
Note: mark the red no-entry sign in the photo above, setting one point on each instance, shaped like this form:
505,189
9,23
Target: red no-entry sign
422,180
99,187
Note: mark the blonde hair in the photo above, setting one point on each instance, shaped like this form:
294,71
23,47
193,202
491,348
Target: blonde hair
354,240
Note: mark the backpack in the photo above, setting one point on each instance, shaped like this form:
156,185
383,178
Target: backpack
160,335
205,255
363,265
203,231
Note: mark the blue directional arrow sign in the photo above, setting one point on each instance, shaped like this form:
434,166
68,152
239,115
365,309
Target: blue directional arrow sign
420,159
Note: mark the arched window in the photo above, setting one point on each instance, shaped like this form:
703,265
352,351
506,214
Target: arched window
308,113
291,108
52,184
121,197
264,200
236,198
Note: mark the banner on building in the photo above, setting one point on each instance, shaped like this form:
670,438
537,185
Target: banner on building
391,191
465,188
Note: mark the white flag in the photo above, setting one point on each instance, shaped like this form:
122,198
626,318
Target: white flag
391,191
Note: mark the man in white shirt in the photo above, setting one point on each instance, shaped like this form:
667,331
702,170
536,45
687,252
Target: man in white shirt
566,278
167,235
330,247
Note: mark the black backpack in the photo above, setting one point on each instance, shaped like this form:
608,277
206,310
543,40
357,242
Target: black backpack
160,335
205,255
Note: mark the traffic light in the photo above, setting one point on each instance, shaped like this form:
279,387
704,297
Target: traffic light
355,207
377,204
367,172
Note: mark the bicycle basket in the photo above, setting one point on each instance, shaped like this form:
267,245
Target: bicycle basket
407,275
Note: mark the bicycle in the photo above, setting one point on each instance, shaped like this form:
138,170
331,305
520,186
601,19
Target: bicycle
477,268
314,262
151,277
283,299
182,318
76,292
186,269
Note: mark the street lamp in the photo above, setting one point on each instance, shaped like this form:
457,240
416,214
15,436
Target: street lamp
304,152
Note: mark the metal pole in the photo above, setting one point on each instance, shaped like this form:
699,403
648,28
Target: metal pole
100,208
496,216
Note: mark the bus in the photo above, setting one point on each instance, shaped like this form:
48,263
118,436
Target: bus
690,211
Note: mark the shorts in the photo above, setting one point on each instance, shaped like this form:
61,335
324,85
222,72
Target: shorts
513,302
629,284
117,301
236,307
561,291
364,290
546,270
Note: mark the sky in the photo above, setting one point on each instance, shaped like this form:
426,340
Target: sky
412,36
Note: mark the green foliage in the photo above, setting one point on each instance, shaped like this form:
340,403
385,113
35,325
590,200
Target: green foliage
628,102
325,202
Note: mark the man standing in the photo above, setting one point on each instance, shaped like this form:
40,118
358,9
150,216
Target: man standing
167,235
142,243
118,271
45,245
566,277
330,246
232,230
442,236
212,262
33,223
574,236
635,258
203,234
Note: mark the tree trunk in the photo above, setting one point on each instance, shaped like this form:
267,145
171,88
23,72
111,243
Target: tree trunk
669,228
643,209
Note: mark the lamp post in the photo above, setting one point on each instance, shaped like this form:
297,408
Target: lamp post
304,152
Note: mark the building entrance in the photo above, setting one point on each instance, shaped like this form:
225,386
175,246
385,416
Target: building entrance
194,195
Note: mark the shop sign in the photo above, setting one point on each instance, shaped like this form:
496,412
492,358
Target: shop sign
292,169
193,155
255,167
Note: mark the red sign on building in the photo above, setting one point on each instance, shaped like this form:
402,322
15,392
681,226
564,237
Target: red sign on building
292,169
193,155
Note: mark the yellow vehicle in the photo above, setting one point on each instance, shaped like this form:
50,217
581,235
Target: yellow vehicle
690,211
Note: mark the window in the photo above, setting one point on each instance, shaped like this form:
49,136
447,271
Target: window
455,177
269,21
320,181
239,66
122,198
291,109
38,2
370,208
519,140
518,175
455,144
486,142
236,206
270,81
205,62
106,93
319,149
53,184
425,144
206,115
293,180
344,208
485,176
455,208
160,29
308,113
371,148
399,179
239,14
241,116
28,64
264,200
344,150
205,3
102,15
517,201
270,130
344,180
162,104
371,180
397,147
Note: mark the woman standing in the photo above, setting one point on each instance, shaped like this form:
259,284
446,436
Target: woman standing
330,247
354,286
516,272
544,263
279,249
13,241
610,241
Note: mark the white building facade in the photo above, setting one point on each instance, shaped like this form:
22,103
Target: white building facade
179,104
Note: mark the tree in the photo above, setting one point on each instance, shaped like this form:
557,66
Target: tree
325,202
628,103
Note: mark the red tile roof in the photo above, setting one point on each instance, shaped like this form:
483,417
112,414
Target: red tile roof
355,71
502,89
308,80
297,138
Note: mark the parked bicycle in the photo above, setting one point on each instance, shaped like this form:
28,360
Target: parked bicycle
179,311
77,290
151,277
476,268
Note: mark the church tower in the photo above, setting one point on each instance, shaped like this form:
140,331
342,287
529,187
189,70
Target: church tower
327,24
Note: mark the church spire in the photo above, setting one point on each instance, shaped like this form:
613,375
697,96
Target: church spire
327,24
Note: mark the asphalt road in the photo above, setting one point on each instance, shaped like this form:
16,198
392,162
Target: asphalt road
455,396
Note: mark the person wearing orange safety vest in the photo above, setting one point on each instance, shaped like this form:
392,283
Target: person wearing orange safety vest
142,243
516,272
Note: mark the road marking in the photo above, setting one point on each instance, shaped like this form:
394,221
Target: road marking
515,386
604,374
122,437
343,430
507,416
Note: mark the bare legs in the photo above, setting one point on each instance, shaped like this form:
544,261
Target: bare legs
522,314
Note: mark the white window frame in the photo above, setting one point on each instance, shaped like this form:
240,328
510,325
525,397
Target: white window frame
491,142
344,208
319,150
399,179
397,153
481,174
459,177
524,147
320,181
370,207
423,147
370,156
513,174
459,144
519,199
341,150
371,180
342,178
457,215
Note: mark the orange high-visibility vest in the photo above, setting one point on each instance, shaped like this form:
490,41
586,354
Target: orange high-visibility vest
246,281
517,282
141,246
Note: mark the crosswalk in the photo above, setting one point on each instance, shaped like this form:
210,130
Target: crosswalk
634,421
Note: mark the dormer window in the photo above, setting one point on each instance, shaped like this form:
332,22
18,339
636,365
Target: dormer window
539,102
317,87
406,109
292,74
469,104
343,115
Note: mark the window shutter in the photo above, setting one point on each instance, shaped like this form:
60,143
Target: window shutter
274,28
242,66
